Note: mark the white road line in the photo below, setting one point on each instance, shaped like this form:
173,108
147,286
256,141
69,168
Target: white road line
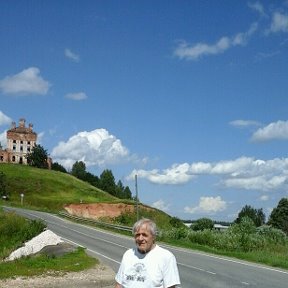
93,251
196,268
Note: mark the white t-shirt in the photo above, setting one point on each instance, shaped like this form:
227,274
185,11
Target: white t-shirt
157,268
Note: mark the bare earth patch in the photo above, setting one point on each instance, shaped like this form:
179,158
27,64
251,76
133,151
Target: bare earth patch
99,210
99,276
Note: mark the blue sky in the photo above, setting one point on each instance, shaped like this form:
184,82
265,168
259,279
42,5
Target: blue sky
190,96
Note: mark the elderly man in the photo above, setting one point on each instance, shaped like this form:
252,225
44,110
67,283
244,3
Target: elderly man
148,265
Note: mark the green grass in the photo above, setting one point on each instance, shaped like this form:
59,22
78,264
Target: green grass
48,190
43,264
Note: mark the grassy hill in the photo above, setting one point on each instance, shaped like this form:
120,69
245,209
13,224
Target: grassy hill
48,190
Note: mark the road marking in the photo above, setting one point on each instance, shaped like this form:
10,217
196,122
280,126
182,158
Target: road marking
93,237
196,268
93,251
104,256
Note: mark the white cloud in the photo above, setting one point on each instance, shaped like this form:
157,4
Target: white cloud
264,198
279,23
76,96
3,139
161,205
241,173
4,119
26,82
244,123
276,130
258,7
96,147
40,136
71,55
194,52
208,205
177,174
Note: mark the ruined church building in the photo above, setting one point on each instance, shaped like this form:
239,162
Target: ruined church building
20,141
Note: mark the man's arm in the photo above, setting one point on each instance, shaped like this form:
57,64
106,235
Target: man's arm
117,285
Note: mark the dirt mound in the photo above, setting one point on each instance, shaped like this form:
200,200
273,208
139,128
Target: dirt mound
98,210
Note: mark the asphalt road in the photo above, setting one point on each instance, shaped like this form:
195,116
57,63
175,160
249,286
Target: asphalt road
197,270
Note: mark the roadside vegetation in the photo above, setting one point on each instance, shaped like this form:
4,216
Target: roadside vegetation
264,244
14,231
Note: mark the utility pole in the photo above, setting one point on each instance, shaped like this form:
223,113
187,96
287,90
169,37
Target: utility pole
136,189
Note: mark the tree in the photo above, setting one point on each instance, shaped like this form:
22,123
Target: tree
279,216
58,167
123,192
92,179
79,170
176,222
120,190
256,215
202,224
38,157
107,182
127,193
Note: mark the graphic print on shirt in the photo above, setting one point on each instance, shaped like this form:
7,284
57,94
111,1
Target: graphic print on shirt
137,273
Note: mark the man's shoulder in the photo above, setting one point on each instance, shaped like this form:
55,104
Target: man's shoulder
129,252
163,251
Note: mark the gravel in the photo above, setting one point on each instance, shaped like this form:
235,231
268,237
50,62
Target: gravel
35,245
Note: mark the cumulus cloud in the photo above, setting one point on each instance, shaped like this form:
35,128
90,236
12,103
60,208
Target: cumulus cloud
71,55
161,205
177,174
26,82
76,96
279,23
208,205
274,131
96,147
241,173
244,123
194,52
4,119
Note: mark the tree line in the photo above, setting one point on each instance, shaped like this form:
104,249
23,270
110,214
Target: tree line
278,218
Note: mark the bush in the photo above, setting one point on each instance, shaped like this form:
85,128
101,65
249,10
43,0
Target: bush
176,222
205,237
125,218
202,224
174,234
272,235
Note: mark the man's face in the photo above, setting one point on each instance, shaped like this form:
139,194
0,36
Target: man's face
144,239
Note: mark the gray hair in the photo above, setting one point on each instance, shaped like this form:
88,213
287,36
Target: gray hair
151,225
